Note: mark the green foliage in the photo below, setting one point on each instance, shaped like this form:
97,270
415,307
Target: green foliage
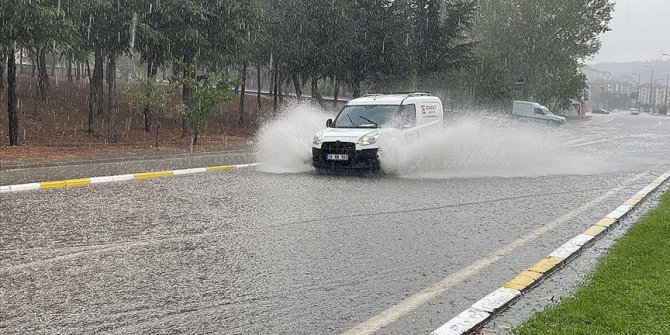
543,41
148,95
627,293
28,23
474,47
205,96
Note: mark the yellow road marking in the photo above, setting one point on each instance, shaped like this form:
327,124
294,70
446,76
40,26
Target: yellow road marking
545,264
146,175
52,184
75,182
606,222
594,230
523,280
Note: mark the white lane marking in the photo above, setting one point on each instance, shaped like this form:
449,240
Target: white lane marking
572,246
104,179
600,123
24,187
496,299
619,212
462,322
657,125
393,313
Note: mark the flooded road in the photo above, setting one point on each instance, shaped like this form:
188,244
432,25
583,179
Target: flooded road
255,252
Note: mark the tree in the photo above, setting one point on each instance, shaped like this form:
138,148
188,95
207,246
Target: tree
150,98
543,41
152,42
198,31
27,24
205,96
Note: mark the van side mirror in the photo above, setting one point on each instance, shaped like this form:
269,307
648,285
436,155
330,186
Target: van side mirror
329,123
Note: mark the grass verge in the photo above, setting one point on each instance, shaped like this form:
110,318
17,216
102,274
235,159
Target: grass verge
629,292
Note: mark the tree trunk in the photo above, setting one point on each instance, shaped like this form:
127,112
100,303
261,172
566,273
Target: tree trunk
258,83
20,61
53,64
336,94
356,89
158,126
111,99
11,99
243,91
98,77
195,137
77,71
3,59
147,120
316,96
33,66
43,75
186,127
92,94
297,86
280,87
275,87
69,68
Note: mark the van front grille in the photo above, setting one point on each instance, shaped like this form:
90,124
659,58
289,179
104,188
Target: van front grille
338,147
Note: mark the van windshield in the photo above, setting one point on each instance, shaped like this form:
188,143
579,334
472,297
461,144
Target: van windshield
367,116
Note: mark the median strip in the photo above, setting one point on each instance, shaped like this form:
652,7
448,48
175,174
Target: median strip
116,178
484,309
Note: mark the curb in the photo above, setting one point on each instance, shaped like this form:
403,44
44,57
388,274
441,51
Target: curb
123,177
157,157
496,301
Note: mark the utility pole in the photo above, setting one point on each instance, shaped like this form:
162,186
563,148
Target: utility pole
651,87
667,76
665,103
637,99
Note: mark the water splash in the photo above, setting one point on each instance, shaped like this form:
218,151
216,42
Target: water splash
485,147
283,144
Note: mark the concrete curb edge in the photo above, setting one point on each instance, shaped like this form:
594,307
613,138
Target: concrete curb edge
496,301
115,178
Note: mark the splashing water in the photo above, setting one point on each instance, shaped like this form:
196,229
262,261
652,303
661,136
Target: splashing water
474,146
283,144
485,147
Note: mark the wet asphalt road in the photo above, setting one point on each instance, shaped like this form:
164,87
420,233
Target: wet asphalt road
242,252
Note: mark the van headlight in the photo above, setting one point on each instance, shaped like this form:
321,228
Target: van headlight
368,139
318,138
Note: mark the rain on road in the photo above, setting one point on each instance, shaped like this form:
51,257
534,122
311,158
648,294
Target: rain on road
247,252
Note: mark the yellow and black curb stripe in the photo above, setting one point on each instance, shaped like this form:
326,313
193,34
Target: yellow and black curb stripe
484,309
123,177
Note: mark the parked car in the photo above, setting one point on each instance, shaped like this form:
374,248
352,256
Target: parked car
599,111
634,111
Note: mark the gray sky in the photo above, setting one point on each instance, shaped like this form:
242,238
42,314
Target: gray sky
640,32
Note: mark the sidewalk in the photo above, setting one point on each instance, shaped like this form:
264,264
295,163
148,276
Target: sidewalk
28,173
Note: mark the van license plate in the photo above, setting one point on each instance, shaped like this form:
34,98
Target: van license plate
334,157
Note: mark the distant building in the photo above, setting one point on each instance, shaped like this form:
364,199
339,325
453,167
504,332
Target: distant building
608,91
658,96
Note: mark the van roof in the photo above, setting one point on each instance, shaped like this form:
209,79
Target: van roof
393,99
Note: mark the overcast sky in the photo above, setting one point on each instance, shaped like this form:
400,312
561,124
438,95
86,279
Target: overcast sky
640,32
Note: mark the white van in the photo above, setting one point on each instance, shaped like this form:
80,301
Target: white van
364,125
535,112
